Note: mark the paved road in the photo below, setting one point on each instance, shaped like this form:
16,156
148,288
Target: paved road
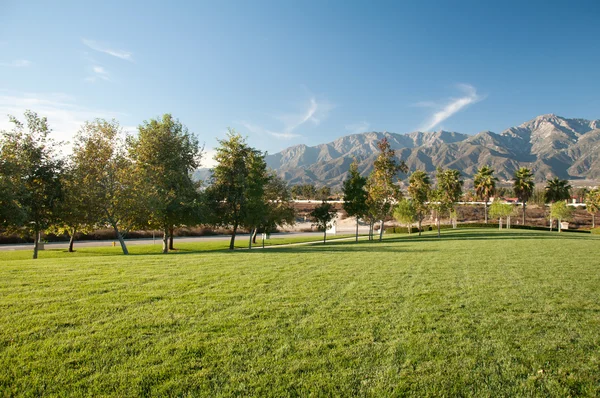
158,240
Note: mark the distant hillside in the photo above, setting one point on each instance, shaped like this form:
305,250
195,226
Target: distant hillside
550,145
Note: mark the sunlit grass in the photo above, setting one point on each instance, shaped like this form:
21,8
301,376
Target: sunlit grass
476,313
202,245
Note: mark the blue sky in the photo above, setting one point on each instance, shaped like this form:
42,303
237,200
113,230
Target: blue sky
290,72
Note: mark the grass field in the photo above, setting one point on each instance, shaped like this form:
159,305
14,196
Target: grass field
476,313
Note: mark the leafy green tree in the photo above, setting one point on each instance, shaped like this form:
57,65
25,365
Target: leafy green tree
237,164
592,204
280,207
165,155
31,170
324,193
557,189
561,211
322,216
382,189
355,195
107,179
523,187
405,213
485,186
76,212
418,189
257,205
501,210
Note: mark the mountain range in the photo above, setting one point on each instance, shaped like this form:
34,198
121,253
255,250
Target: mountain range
549,145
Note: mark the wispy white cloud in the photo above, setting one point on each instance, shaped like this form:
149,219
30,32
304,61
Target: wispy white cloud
99,73
315,112
64,116
357,128
253,128
449,108
103,48
17,63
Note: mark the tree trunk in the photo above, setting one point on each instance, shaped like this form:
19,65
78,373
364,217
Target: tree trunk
485,206
250,238
232,240
72,239
36,242
171,238
165,248
381,230
559,226
324,235
120,238
551,222
356,228
523,212
371,222
420,219
409,227
254,235
508,222
593,220
438,226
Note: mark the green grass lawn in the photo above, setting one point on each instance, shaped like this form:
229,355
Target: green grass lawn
476,313
201,245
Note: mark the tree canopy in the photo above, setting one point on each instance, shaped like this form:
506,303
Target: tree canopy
30,176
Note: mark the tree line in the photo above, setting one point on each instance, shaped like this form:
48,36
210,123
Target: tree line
377,196
130,182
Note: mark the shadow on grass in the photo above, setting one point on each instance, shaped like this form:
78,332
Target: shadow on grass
472,234
349,245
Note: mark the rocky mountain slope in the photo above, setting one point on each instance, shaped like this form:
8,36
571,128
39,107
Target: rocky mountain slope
550,145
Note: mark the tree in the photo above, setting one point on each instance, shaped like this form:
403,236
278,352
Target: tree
581,193
592,204
501,210
165,155
280,208
523,186
418,190
107,179
355,195
485,185
405,213
450,184
76,213
257,206
232,182
561,211
322,216
324,193
437,204
31,171
557,189
382,189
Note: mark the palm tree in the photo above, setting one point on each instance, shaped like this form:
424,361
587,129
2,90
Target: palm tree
557,189
523,186
485,186
592,204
